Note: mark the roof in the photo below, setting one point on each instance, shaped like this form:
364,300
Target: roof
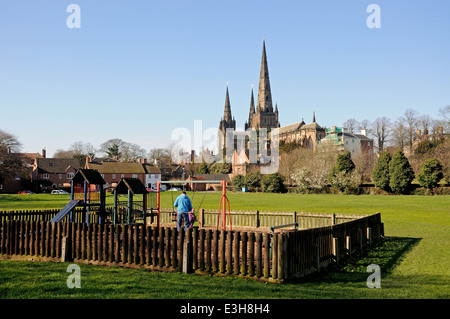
117,168
132,184
151,169
56,165
91,176
290,128
213,177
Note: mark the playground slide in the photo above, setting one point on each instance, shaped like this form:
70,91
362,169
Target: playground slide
63,212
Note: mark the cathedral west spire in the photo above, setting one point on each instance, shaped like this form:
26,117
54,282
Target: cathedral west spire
227,121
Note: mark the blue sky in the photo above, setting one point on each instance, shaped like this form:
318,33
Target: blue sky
136,70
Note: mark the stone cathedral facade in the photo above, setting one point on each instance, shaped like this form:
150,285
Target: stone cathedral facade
265,115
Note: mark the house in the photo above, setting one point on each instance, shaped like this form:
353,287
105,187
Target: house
112,172
50,173
208,177
346,141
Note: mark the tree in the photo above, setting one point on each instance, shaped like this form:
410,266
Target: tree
342,175
220,168
444,112
430,173
401,173
310,170
411,121
381,129
203,169
351,125
380,174
399,133
273,183
11,163
77,150
160,156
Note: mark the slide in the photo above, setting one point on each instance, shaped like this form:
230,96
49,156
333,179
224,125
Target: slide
63,212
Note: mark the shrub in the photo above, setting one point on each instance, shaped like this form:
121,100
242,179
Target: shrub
253,180
401,173
238,181
380,174
220,168
273,183
430,173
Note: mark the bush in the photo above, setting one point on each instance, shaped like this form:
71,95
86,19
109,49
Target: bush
238,181
430,173
401,173
273,183
380,174
220,168
253,180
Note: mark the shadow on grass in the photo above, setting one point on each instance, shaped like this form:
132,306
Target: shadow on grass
387,254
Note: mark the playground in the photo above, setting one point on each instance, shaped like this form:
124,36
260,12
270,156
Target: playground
416,230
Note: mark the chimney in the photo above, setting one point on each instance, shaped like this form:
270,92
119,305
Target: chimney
156,161
144,160
364,132
440,130
88,160
44,153
192,156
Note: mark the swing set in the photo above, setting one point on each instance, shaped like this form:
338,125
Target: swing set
223,204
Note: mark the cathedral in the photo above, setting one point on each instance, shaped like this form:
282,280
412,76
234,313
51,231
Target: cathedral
265,116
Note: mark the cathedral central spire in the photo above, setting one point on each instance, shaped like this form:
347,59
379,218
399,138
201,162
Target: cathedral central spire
264,94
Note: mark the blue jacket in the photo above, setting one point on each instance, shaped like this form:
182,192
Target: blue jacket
183,203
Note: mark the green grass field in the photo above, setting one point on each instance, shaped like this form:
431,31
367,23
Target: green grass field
414,258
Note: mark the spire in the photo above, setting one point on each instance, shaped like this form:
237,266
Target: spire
252,103
227,111
314,117
264,94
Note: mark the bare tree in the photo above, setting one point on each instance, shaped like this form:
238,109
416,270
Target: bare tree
351,125
444,112
11,162
411,122
381,129
399,133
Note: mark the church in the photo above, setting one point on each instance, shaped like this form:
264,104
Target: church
264,115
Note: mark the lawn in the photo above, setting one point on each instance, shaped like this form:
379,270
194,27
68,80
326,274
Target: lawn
414,258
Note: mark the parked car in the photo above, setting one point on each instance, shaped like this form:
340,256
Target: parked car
174,189
59,191
26,192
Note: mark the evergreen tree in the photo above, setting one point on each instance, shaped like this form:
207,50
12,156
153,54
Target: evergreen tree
401,173
430,173
203,169
380,174
342,171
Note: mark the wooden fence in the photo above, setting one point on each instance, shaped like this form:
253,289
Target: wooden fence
253,254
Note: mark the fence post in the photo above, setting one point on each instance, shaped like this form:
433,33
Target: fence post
348,245
360,239
317,257
187,252
336,249
369,236
333,219
257,221
201,216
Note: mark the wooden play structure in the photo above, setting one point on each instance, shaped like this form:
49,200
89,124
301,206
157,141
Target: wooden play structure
130,211
86,192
